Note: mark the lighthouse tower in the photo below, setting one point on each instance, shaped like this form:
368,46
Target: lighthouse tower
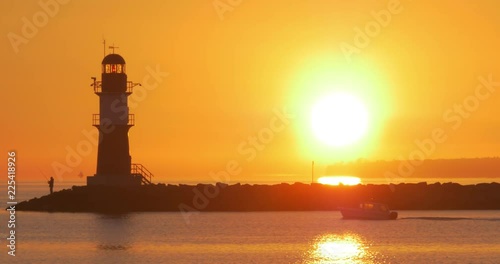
114,165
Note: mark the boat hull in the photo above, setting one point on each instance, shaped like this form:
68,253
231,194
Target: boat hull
362,214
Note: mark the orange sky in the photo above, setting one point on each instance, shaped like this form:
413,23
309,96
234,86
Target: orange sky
230,69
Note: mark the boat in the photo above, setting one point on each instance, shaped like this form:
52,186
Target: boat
368,211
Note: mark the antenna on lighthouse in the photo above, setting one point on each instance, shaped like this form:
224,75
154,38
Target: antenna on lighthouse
113,47
104,45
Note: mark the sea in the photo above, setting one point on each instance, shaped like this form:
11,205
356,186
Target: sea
246,237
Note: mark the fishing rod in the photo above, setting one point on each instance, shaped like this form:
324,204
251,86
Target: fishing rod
44,175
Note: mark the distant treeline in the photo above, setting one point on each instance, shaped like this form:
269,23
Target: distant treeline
438,168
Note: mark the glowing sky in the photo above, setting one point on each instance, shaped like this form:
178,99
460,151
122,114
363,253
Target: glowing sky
231,69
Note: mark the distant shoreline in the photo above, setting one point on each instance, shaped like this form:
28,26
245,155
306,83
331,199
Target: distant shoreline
403,170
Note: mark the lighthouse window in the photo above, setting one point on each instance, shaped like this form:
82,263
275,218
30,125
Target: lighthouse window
113,68
118,68
108,68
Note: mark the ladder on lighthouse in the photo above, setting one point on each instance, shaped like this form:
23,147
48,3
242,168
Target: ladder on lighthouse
139,170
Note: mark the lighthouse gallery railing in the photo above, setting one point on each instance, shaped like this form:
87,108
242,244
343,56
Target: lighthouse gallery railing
96,120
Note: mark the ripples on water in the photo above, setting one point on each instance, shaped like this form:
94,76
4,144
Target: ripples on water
257,237
448,218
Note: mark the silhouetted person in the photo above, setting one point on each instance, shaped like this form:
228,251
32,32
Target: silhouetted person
51,184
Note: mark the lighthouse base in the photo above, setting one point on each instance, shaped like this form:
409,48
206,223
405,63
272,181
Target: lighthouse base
114,180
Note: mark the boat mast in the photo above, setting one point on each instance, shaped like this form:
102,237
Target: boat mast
312,172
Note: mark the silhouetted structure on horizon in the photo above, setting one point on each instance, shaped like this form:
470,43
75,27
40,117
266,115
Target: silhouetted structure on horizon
114,163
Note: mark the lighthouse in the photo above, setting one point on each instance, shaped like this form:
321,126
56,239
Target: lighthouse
114,163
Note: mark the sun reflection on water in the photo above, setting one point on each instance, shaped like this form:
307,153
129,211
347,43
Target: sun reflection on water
346,248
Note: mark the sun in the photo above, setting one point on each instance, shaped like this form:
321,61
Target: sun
339,119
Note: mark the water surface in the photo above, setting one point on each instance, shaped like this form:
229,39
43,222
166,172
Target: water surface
253,237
